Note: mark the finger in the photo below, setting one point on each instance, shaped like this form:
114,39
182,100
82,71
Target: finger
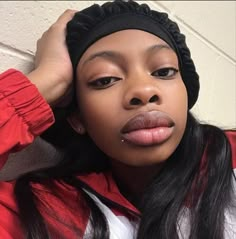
66,16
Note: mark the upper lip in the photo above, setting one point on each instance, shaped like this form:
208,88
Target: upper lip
147,120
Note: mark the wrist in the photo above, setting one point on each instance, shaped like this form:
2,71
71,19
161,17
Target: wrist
50,86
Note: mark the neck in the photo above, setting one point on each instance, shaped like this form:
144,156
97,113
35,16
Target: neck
132,180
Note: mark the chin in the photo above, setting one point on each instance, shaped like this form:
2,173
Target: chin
145,161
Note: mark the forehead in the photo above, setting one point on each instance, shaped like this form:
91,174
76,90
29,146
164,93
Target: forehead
125,41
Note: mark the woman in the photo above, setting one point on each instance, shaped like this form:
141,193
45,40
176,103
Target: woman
137,164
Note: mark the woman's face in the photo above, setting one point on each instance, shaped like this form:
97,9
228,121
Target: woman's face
132,100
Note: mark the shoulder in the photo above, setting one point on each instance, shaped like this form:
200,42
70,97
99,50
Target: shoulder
231,135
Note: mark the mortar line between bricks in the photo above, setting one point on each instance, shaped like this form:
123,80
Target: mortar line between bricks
206,41
16,52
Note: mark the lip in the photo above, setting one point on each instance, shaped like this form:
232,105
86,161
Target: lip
148,128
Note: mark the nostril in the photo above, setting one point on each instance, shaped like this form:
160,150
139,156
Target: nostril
135,101
154,98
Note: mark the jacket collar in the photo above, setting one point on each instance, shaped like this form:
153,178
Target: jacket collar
103,185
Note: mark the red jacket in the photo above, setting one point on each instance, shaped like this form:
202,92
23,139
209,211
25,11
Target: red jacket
24,114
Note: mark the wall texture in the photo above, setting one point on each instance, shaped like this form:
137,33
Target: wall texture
210,28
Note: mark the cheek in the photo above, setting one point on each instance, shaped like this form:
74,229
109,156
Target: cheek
183,101
179,106
97,109
175,101
100,120
177,98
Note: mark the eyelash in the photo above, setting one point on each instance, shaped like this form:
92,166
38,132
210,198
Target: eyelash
166,72
105,82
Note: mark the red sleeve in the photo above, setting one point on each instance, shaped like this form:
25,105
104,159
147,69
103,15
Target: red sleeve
24,113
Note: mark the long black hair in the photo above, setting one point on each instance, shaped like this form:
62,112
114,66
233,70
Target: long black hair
196,181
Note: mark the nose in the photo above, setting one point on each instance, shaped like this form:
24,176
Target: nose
140,93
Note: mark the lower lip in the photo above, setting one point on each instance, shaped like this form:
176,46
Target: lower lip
148,137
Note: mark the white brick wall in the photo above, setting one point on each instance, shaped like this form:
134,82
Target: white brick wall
210,28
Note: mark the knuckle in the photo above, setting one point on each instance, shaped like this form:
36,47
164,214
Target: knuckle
68,11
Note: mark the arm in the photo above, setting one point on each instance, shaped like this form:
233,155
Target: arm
24,100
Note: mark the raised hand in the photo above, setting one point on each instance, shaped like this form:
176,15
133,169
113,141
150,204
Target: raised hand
53,69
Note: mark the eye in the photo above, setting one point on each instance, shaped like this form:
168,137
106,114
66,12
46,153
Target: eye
103,82
165,73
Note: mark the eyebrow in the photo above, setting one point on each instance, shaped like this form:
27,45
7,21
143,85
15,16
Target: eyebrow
159,47
113,55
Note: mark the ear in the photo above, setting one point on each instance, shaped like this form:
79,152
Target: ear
75,122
